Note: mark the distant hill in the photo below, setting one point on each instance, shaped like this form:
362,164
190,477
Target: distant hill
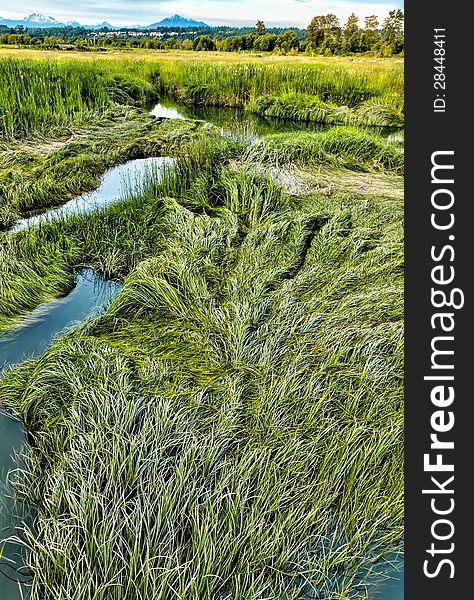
178,21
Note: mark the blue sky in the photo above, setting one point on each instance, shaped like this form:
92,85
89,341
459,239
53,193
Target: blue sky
214,12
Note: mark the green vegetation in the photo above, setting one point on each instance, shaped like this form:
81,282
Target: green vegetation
74,90
38,95
301,107
32,177
339,147
236,84
232,426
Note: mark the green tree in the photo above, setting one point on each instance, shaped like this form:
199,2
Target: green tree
202,43
288,41
248,42
352,35
393,37
260,28
172,44
370,35
324,32
265,43
232,44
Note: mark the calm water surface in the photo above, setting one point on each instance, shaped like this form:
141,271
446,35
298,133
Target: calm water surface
238,121
116,184
90,295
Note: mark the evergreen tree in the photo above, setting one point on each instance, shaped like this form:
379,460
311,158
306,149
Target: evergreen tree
352,37
370,35
393,27
260,28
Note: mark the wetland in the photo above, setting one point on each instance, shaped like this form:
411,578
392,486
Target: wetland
201,329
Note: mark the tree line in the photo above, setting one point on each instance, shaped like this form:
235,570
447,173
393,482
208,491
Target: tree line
324,35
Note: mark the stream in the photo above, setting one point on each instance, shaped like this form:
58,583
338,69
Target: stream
91,295
116,184
238,121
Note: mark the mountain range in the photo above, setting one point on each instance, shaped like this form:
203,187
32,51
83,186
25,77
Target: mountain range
42,21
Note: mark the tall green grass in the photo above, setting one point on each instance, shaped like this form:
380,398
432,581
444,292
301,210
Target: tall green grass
41,94
38,264
236,84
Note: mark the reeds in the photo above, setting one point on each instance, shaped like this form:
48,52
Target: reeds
39,94
222,84
340,147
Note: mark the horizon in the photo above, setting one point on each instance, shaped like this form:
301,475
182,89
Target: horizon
145,12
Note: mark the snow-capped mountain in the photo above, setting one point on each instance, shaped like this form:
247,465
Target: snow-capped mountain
42,20
178,21
33,20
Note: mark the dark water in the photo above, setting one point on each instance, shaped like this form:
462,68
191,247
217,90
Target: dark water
116,184
89,296
240,122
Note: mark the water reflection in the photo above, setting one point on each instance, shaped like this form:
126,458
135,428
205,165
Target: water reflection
89,296
236,120
116,184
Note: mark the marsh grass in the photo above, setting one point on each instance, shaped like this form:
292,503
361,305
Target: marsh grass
302,107
37,95
224,84
232,427
31,182
340,147
40,94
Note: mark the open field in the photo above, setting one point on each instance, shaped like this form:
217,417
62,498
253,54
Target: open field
232,425
232,57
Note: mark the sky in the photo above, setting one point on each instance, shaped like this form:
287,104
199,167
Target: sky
214,12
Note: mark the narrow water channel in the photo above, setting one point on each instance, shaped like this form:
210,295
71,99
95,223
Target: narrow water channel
116,184
90,295
241,122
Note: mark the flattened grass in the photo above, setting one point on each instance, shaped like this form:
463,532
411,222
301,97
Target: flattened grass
311,109
232,427
31,182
